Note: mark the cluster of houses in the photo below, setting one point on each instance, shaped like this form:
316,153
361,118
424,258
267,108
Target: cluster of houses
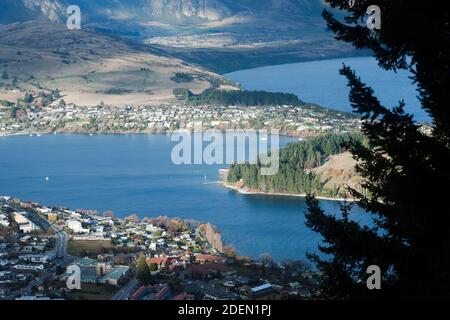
101,272
25,224
172,249
25,250
52,116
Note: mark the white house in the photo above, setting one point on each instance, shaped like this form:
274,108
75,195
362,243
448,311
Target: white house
44,210
29,267
25,225
76,226
28,227
4,220
39,258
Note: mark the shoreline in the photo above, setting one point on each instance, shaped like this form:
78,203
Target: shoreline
248,192
3,135
222,182
213,235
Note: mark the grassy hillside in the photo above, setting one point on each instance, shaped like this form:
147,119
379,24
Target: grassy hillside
89,68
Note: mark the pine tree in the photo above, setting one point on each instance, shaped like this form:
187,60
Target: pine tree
5,75
406,172
143,271
28,98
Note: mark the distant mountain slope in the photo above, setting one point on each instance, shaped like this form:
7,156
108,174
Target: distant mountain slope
54,10
304,7
90,68
221,35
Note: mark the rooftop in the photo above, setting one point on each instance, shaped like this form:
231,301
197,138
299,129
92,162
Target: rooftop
262,288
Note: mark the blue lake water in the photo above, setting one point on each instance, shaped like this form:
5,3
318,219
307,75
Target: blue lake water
134,174
320,82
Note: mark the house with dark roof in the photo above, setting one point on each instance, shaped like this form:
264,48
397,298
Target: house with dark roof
203,258
156,292
207,271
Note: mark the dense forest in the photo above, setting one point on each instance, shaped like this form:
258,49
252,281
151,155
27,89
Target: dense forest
295,160
236,98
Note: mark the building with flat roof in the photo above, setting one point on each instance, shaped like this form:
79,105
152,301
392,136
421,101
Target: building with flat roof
116,275
262,289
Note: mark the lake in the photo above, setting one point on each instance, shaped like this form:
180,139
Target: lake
134,174
320,82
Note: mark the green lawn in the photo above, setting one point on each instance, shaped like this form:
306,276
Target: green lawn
81,248
93,292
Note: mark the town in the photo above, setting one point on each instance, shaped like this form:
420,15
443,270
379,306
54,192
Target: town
46,112
132,259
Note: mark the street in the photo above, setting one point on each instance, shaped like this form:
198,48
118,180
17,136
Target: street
61,253
125,292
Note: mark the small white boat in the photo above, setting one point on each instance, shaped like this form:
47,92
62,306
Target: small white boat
47,178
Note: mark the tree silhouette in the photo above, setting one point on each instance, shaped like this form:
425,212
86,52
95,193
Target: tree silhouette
406,171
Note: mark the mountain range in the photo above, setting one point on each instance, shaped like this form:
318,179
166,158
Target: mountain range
130,51
211,10
220,35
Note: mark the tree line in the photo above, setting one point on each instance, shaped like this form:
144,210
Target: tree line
295,161
236,98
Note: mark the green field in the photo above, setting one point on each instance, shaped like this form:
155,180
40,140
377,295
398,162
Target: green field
93,292
82,248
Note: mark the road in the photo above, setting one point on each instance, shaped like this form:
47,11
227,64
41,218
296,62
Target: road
61,245
35,283
61,253
126,291
64,260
